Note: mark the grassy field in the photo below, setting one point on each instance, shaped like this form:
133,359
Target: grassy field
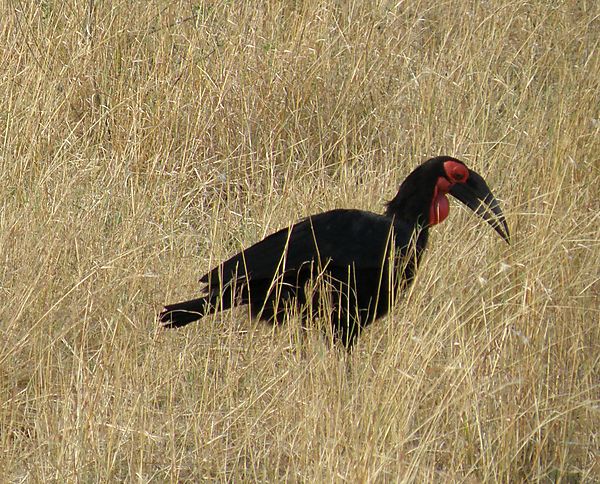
142,142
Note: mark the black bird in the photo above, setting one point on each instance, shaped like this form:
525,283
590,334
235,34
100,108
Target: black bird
342,256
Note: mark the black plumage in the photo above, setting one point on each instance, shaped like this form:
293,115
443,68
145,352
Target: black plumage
336,264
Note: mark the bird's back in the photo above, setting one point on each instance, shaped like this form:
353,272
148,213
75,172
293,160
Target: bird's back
339,238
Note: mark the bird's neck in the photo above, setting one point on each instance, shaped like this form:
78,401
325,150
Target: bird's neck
408,253
413,214
412,203
410,239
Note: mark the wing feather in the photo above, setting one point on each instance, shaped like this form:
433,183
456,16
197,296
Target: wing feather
340,238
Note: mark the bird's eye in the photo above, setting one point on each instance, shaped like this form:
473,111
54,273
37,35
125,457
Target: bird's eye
456,172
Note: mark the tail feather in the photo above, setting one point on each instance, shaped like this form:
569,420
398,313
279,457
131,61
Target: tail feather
180,314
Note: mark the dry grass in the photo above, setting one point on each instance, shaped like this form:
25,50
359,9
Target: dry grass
141,142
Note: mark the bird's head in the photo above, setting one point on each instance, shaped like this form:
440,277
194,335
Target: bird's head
422,196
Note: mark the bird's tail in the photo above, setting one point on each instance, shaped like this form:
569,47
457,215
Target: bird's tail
180,314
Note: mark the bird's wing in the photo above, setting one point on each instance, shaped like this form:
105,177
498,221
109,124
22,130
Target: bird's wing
339,237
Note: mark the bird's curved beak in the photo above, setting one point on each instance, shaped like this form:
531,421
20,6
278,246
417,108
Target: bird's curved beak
476,195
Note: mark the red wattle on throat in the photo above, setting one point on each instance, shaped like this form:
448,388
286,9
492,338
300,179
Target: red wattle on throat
440,207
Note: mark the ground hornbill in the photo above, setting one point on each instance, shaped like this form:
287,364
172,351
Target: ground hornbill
336,264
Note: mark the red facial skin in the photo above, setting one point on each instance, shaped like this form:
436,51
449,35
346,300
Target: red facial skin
440,207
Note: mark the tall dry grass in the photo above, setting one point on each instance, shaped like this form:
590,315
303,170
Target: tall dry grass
142,142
